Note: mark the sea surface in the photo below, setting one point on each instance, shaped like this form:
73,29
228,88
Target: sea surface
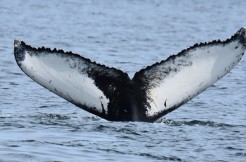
36,125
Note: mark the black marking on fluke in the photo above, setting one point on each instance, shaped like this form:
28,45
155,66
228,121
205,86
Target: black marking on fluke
128,99
165,103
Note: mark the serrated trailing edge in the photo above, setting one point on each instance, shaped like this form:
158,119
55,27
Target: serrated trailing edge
153,91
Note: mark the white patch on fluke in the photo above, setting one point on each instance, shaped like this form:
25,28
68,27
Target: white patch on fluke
207,65
55,73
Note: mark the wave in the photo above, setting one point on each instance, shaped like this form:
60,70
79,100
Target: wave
194,122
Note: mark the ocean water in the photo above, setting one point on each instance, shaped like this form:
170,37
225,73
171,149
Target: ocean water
36,125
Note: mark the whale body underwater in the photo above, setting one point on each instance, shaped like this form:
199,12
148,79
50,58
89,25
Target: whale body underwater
152,92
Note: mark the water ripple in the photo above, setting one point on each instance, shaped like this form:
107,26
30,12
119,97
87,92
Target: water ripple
196,123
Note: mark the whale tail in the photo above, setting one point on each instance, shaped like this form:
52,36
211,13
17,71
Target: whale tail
151,93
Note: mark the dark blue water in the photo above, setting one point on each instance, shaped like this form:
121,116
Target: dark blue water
36,125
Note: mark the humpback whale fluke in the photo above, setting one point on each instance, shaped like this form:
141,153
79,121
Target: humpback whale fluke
151,93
